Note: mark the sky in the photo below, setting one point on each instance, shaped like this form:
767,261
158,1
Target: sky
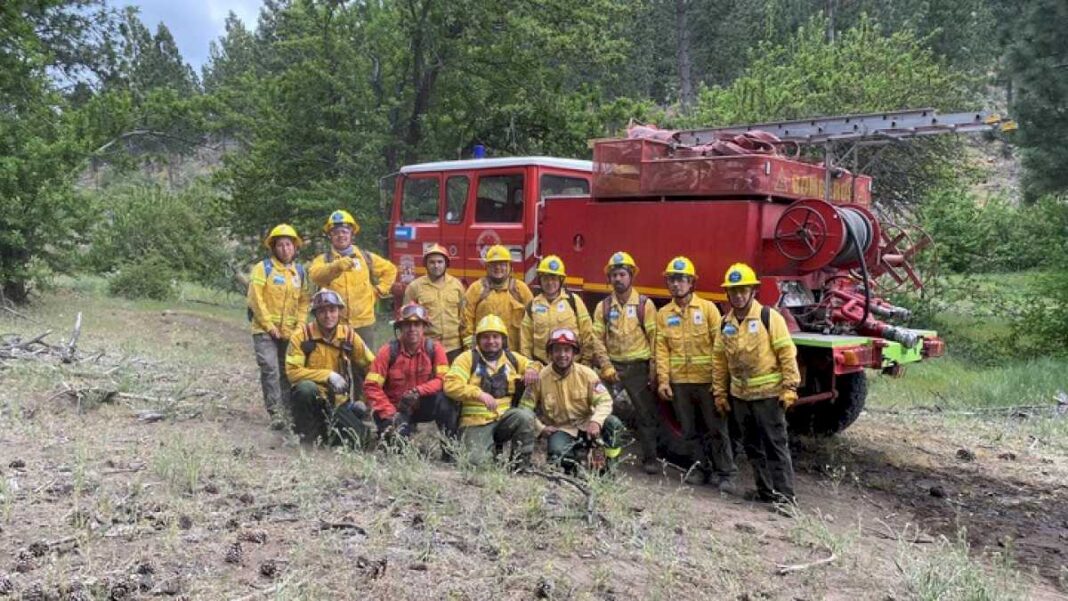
194,23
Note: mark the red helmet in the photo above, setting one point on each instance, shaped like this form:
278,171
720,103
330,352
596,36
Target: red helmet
562,336
412,312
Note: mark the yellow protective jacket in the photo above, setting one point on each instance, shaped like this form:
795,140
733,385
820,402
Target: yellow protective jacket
542,316
507,302
684,339
350,277
758,363
463,385
278,299
326,356
568,401
624,338
444,302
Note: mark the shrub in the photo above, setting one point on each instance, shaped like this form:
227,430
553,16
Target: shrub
150,278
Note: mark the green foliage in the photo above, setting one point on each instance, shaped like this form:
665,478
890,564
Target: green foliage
1036,62
183,231
994,235
1045,317
150,277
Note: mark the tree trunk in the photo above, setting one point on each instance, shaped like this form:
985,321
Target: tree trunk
682,56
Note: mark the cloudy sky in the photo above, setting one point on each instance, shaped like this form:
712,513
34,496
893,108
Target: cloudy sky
194,23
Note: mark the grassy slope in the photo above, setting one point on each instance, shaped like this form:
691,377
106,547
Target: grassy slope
175,496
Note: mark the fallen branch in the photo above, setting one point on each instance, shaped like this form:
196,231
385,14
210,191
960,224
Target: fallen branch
324,525
789,569
578,484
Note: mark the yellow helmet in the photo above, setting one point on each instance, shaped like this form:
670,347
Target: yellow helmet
680,266
491,323
740,274
498,253
341,217
621,258
436,249
283,230
552,265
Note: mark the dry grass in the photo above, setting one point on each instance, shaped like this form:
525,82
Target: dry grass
209,504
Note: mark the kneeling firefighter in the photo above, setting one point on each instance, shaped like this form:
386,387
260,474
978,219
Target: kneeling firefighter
487,382
320,364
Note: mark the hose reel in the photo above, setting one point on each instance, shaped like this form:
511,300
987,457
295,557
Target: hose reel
816,234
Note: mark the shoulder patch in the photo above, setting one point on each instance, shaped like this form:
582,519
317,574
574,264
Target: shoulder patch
599,388
754,325
674,320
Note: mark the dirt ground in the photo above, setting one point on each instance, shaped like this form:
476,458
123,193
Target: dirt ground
146,468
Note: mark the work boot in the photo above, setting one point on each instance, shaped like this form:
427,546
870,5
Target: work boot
651,466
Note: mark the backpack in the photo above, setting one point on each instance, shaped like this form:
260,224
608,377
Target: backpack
765,318
307,346
606,304
394,351
268,267
329,256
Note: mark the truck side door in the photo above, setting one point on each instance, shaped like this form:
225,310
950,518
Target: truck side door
418,223
503,211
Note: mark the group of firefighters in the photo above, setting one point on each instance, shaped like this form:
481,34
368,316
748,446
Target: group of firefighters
494,364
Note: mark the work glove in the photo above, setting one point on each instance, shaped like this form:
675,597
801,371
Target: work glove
531,376
609,374
664,390
788,398
337,382
723,405
408,402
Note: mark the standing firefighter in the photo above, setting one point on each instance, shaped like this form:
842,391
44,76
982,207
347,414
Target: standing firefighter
487,381
756,356
443,297
626,321
685,332
557,308
404,384
573,407
320,363
360,277
499,293
278,297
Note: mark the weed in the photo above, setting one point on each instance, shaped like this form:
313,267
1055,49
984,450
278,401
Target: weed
948,572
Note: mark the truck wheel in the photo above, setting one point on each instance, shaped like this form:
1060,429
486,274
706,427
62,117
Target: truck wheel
831,417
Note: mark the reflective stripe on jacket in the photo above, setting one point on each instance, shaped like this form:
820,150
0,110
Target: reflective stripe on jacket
279,300
464,386
684,339
569,401
384,384
349,277
621,329
544,316
444,302
758,363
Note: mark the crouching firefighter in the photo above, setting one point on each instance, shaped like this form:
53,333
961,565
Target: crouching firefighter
487,382
573,408
321,363
405,382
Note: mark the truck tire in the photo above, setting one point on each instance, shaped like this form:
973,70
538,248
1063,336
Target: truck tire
831,417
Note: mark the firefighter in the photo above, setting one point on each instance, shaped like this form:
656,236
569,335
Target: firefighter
443,297
755,355
557,308
404,384
626,322
320,362
499,293
572,405
686,329
486,382
359,276
278,296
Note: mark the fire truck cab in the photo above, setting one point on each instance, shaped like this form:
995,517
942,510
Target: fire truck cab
469,205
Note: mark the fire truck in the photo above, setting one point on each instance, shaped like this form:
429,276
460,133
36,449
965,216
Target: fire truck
718,196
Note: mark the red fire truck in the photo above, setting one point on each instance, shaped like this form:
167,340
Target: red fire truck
718,196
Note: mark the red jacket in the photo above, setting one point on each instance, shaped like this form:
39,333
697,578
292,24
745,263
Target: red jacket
385,384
